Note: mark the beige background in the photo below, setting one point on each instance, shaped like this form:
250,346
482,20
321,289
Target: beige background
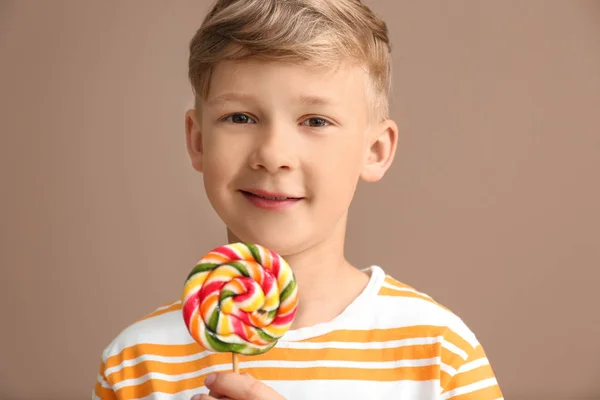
492,206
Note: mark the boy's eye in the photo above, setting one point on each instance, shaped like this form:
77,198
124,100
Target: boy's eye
239,119
316,122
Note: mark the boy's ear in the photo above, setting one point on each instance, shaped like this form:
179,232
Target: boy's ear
193,138
381,152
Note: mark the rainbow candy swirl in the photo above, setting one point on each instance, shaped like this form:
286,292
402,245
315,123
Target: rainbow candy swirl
240,298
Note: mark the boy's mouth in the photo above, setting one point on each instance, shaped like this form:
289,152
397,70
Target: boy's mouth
270,200
263,194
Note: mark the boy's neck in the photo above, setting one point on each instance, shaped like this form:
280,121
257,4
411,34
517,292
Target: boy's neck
327,282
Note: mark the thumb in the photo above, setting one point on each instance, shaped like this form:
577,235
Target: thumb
236,386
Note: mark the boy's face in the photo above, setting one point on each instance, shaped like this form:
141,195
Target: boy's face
282,146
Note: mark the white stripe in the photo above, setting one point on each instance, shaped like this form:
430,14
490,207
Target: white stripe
375,345
154,357
470,388
279,364
102,382
170,378
341,364
473,364
448,369
455,349
94,397
361,345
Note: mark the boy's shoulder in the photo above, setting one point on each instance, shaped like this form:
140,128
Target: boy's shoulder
157,331
405,311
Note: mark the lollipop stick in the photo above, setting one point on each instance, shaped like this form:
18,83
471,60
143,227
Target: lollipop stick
236,364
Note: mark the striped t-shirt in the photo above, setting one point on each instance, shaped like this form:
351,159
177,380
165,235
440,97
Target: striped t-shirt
392,342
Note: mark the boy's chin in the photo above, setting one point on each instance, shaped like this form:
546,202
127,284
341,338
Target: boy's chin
281,243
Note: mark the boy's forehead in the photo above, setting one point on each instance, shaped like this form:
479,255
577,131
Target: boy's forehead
310,83
239,96
253,71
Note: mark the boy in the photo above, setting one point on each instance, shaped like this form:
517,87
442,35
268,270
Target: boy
291,110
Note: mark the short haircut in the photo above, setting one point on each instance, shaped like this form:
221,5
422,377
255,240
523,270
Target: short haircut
324,32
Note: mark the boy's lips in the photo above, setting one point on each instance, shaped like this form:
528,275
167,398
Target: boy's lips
271,195
270,200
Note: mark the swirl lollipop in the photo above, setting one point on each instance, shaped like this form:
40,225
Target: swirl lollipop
240,298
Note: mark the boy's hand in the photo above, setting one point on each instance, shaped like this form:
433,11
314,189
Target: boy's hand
229,385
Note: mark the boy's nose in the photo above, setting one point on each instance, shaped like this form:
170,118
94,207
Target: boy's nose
273,152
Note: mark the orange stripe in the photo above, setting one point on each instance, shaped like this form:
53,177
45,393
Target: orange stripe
492,392
357,355
386,335
142,369
375,335
445,378
477,353
386,291
104,393
451,359
166,350
458,341
472,376
361,374
416,352
391,281
469,377
378,375
378,335
100,391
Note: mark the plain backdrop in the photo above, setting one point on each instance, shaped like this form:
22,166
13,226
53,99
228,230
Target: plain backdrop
492,206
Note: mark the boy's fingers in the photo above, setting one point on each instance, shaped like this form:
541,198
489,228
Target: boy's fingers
241,387
208,397
218,396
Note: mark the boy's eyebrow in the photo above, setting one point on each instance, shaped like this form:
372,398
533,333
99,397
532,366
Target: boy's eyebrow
224,98
315,100
304,99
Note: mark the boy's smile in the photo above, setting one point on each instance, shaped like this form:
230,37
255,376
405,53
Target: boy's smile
281,147
270,200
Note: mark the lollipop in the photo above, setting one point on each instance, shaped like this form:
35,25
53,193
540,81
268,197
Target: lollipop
239,298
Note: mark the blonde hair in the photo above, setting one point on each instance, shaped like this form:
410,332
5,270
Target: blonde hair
323,32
